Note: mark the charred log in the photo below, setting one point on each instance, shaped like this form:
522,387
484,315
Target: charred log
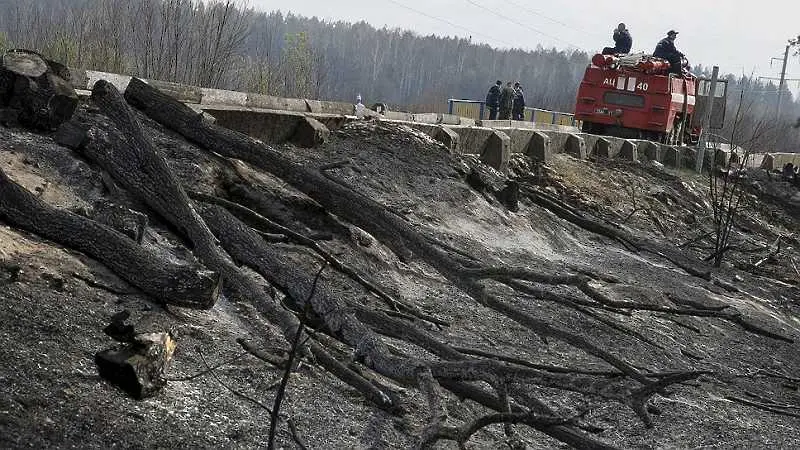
177,285
138,167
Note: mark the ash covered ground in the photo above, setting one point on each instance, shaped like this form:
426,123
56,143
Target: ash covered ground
51,319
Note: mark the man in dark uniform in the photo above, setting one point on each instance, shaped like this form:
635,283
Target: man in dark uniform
506,101
666,50
622,41
493,100
518,107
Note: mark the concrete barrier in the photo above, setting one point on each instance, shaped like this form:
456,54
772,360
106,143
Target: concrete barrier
671,156
442,134
532,143
497,151
223,97
539,148
689,157
274,127
427,118
629,150
398,115
449,119
575,146
275,103
326,107
494,146
526,124
649,150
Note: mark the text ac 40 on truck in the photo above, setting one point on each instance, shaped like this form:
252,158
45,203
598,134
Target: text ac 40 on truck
635,97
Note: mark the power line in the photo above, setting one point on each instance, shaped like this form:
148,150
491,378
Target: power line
509,19
449,23
555,21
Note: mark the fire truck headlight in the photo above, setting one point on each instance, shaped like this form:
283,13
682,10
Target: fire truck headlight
617,113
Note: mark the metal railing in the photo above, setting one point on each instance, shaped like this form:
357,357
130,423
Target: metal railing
476,109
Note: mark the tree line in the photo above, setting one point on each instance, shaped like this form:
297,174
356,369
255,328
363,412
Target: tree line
226,44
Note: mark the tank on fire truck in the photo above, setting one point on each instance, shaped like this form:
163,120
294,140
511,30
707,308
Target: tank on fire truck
636,97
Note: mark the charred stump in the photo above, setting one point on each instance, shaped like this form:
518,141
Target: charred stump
36,89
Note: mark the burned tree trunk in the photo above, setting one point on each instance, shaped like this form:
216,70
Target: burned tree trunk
177,285
344,202
138,167
29,85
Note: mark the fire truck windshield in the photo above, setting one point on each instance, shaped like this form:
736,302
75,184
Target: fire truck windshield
623,99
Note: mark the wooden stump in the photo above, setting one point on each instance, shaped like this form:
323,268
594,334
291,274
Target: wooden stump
138,367
36,88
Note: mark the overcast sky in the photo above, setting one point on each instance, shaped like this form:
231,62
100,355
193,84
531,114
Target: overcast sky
740,39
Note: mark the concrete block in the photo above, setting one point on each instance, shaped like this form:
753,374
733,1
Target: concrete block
539,148
119,81
671,156
650,150
449,119
310,133
492,145
449,138
602,148
467,122
530,142
268,126
326,107
497,151
472,139
398,115
181,92
223,97
575,145
629,150
427,118
688,157
496,123
276,103
442,134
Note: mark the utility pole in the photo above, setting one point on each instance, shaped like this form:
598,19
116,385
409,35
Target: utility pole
701,145
783,80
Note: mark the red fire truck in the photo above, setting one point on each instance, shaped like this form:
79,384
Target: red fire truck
635,97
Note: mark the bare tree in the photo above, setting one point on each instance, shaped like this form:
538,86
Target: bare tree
726,187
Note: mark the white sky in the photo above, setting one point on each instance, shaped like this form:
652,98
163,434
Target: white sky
739,36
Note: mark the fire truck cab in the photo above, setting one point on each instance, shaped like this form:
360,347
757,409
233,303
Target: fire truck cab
635,97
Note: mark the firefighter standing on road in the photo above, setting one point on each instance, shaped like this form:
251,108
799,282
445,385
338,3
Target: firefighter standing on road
493,100
666,50
622,41
506,102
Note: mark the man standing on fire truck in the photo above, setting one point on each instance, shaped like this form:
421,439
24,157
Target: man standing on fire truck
666,50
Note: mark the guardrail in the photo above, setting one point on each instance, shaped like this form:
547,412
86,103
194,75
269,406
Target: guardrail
476,109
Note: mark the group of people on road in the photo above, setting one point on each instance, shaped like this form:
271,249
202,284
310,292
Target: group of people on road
506,102
665,49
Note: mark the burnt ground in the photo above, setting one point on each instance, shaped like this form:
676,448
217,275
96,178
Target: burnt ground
51,319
